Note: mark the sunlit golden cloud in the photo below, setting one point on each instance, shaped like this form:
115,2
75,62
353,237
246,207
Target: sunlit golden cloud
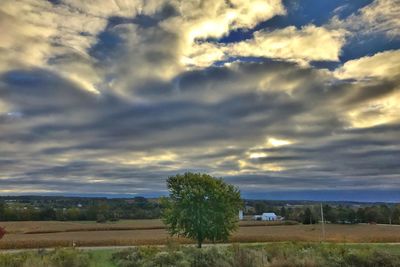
256,155
381,65
278,142
380,16
380,110
289,43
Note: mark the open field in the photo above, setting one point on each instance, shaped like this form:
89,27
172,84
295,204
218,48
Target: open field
153,232
38,227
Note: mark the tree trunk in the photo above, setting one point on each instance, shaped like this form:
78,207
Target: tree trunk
199,243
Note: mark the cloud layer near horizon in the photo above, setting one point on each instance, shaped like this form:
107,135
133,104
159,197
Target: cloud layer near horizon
114,96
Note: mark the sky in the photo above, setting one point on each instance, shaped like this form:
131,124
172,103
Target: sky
286,99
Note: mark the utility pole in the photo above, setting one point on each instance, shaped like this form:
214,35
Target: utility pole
323,223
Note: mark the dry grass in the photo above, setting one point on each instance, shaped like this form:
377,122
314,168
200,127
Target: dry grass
152,232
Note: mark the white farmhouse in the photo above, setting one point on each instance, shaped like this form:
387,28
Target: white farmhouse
269,216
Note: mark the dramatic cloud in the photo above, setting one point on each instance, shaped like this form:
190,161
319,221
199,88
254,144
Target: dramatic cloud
288,43
112,97
381,16
381,103
381,65
155,34
38,34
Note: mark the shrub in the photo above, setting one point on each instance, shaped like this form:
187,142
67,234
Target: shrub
101,218
69,258
57,258
35,261
13,260
128,258
263,255
248,257
210,256
367,258
134,257
168,259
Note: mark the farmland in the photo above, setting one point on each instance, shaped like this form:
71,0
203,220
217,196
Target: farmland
153,232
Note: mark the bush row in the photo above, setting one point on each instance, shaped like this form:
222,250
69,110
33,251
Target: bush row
271,255
275,255
42,258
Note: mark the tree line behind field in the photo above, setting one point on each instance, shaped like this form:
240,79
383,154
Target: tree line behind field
77,209
306,213
34,208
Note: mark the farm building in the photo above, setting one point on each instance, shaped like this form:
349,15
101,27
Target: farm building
266,216
269,216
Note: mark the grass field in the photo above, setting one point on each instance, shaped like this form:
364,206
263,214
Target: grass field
153,232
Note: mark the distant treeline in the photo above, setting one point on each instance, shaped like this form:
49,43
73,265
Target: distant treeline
385,213
76,209
43,208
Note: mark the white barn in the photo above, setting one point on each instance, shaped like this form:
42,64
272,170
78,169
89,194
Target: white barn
269,216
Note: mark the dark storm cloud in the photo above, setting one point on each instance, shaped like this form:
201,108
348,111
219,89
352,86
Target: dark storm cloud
120,127
38,92
108,126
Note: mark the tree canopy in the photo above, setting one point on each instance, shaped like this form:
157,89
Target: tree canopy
201,207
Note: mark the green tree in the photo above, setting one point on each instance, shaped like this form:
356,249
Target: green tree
260,207
396,214
330,214
371,214
361,215
308,217
387,213
47,214
283,211
201,207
